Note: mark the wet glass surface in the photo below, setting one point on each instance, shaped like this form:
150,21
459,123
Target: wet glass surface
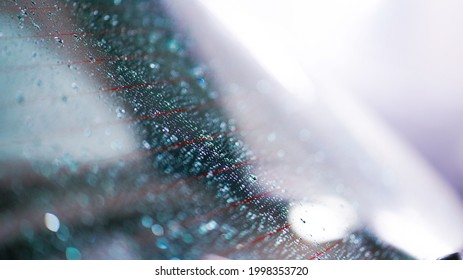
115,144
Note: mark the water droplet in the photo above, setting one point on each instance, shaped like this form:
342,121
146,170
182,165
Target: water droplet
211,225
252,177
146,145
70,163
157,230
59,41
51,222
202,83
162,243
73,253
187,238
106,17
173,138
147,221
63,233
228,236
173,45
120,112
174,74
197,72
206,227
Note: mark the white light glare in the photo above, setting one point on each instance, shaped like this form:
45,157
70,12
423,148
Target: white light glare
51,222
410,232
326,219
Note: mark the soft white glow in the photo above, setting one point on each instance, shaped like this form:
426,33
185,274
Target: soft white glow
265,45
326,219
409,232
423,217
51,222
320,25
281,35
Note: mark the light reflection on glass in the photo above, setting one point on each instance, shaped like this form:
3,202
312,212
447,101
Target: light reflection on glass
114,126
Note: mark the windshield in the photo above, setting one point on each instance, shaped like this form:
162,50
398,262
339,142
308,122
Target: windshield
117,143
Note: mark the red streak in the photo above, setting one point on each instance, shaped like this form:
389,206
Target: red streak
259,239
131,32
144,84
218,171
323,252
175,111
234,205
178,145
84,61
215,172
216,212
134,197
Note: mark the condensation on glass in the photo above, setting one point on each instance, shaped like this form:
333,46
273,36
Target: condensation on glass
115,144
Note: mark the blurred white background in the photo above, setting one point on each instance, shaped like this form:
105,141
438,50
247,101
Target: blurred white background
402,59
